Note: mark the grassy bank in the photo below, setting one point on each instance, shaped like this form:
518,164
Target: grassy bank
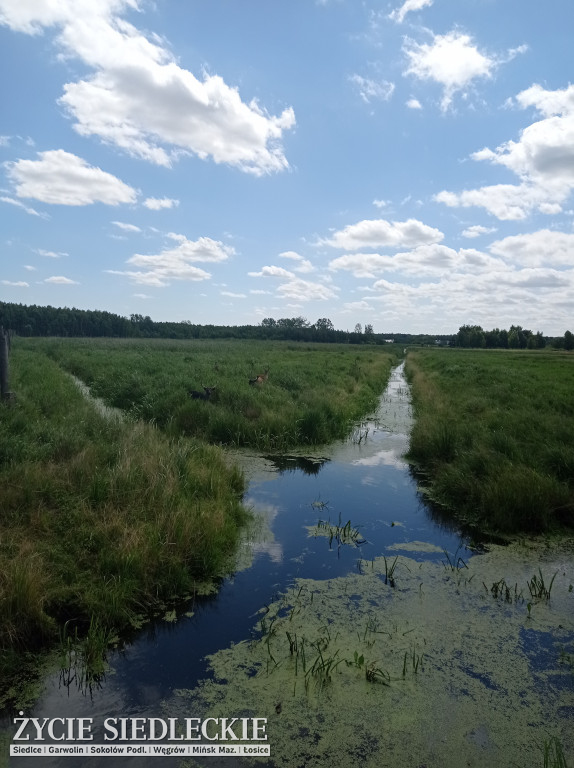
101,521
106,520
311,394
494,435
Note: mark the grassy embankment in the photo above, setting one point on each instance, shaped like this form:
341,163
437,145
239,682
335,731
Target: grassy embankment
103,521
494,435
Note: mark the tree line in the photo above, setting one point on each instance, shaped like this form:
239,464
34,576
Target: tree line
33,320
514,338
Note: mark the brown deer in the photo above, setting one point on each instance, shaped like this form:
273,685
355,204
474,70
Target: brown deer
205,395
259,378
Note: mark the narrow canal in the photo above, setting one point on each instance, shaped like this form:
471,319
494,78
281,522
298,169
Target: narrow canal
361,626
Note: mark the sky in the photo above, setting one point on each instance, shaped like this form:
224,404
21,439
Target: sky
408,165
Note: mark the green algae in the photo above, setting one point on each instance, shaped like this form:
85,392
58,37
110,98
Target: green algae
455,676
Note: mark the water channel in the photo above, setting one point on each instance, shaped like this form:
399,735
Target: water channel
365,629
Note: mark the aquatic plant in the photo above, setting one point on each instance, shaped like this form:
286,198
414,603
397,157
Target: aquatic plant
553,753
538,588
342,534
456,562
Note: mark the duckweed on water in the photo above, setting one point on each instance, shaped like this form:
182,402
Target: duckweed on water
350,671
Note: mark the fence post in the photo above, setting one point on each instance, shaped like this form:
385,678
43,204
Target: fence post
5,393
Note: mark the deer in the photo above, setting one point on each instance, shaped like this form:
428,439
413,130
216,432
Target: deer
259,378
205,395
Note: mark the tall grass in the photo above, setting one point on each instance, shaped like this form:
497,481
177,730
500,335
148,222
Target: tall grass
101,521
312,394
494,435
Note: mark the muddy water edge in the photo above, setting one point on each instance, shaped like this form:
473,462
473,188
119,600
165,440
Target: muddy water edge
365,629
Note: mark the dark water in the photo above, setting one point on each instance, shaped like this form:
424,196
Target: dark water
363,480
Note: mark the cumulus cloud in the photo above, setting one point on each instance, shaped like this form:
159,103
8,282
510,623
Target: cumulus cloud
373,90
542,158
302,265
453,61
272,271
379,233
139,99
476,230
15,284
414,104
432,259
158,203
545,247
233,295
61,178
303,290
399,14
176,263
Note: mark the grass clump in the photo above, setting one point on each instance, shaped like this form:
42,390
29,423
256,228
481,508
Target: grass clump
101,521
491,437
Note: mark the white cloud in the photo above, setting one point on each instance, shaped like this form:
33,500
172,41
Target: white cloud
542,158
158,203
476,230
272,271
233,295
51,254
60,280
176,263
302,290
139,99
303,265
19,204
371,90
379,233
399,14
542,248
432,259
452,60
60,178
126,227
30,268
414,104
17,284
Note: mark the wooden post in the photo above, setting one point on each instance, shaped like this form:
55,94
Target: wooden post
5,393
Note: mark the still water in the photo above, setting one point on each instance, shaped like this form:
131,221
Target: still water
301,504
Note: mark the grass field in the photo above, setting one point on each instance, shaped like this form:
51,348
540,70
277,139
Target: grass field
312,393
101,521
494,435
104,520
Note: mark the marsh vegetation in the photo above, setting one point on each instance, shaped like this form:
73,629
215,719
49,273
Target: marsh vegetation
494,435
105,521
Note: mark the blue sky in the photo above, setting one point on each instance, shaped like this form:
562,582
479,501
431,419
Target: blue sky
408,165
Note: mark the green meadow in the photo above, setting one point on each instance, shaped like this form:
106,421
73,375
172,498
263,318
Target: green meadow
494,435
105,520
311,394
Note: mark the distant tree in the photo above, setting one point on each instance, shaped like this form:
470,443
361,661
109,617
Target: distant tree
358,328
324,324
368,329
268,322
568,340
470,336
